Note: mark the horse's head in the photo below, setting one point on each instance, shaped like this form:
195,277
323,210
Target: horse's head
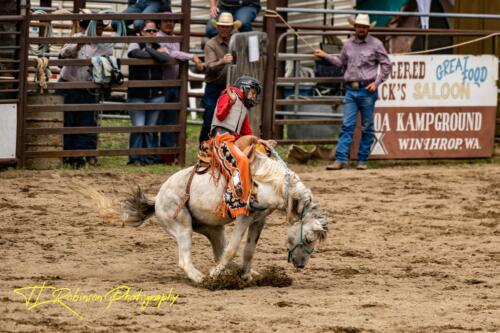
307,222
305,233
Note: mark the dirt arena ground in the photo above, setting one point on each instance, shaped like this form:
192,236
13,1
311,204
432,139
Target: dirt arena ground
412,249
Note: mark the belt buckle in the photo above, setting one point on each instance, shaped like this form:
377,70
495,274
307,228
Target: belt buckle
355,85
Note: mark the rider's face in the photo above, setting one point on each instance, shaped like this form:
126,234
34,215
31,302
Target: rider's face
252,95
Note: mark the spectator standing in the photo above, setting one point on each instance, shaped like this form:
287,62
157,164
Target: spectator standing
145,95
171,72
361,57
81,96
142,6
217,60
244,11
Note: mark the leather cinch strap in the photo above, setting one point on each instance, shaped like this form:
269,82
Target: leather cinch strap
185,198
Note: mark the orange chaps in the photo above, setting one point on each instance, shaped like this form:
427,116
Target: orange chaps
234,164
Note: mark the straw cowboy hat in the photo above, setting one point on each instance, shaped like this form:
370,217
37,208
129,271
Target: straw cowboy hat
226,18
361,19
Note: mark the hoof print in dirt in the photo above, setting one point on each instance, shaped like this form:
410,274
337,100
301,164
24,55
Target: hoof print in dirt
231,279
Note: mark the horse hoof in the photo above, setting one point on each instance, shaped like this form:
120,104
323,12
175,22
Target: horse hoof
196,276
247,277
253,274
214,272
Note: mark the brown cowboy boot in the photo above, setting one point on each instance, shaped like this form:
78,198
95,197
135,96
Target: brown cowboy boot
336,165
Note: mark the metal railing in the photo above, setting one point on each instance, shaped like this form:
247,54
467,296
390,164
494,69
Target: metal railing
274,115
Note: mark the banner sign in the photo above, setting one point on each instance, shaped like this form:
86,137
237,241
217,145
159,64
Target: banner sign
436,106
8,131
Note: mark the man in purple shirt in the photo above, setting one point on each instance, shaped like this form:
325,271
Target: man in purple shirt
361,57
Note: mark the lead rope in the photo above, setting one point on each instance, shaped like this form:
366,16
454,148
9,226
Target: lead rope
42,73
288,174
301,242
273,13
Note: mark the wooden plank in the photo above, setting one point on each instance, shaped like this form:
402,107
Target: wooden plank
104,39
124,85
307,142
316,101
196,94
121,129
99,17
107,152
330,79
321,121
102,107
183,75
86,62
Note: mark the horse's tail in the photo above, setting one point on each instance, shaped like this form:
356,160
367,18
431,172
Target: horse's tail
137,208
105,206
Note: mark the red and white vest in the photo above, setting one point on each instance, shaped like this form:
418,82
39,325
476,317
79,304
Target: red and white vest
234,119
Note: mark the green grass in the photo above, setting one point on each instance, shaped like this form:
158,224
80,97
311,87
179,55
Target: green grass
120,141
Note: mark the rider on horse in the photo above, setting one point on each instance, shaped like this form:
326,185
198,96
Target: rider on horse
229,124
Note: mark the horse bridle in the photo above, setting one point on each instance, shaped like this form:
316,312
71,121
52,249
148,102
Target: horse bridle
301,243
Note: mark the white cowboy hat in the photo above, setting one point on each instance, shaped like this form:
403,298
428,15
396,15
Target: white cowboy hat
361,19
226,19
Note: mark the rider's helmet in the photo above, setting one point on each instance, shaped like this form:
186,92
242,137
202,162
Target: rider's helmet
245,83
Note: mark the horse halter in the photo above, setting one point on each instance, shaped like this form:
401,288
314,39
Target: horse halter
301,243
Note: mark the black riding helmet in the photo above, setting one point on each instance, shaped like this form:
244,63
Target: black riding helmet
245,83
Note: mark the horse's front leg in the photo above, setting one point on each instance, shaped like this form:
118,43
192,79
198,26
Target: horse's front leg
252,238
240,226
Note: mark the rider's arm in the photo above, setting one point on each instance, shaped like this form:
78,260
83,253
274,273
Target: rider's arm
223,107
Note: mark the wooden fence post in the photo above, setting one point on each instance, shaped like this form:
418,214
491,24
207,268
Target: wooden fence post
183,71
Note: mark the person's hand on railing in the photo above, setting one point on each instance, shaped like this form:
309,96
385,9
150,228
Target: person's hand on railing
199,64
228,58
320,53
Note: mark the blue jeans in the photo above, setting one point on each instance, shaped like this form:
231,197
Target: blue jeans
212,93
169,117
141,6
363,101
245,14
79,119
144,140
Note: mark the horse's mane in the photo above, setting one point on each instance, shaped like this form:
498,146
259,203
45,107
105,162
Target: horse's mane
267,170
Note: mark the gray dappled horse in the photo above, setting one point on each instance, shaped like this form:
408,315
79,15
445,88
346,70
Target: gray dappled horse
277,188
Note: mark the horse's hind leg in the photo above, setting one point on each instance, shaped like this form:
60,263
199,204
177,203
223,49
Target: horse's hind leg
252,238
216,236
182,230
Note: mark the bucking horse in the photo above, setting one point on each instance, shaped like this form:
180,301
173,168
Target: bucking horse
277,187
